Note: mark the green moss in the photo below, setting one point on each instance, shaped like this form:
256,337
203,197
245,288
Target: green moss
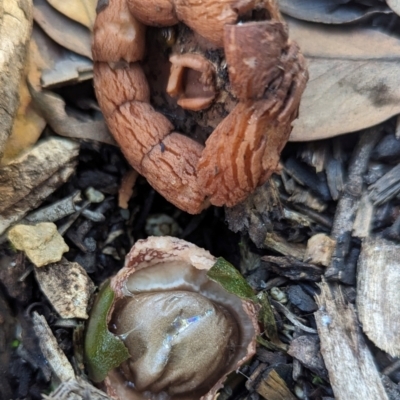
103,350
230,279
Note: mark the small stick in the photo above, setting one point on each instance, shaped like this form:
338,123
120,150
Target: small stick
347,206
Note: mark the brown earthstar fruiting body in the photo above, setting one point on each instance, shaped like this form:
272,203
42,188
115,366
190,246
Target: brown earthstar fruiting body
249,117
184,332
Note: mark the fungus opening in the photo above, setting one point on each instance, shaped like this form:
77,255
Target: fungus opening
185,333
191,81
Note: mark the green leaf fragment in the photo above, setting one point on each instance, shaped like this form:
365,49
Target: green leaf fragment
103,350
230,279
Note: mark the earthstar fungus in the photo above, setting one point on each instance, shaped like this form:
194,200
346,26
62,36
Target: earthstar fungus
184,332
227,49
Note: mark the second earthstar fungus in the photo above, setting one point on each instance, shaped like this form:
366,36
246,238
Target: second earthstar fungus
205,116
169,325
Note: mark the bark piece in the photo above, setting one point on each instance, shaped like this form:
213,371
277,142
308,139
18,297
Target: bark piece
42,243
278,243
57,210
340,269
256,214
364,217
15,31
301,299
306,349
269,385
76,389
51,351
36,196
27,180
387,187
68,288
293,269
350,364
378,294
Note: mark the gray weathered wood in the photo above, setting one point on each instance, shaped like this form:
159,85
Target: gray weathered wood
351,368
378,293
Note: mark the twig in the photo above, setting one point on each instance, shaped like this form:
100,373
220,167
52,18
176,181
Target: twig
348,204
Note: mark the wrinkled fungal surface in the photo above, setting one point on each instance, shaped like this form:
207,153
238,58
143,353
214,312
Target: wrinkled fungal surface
184,332
199,95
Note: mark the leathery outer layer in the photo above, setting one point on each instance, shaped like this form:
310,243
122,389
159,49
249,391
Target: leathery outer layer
267,75
184,332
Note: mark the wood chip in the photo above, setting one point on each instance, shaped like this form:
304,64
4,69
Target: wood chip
378,293
306,349
23,174
293,268
350,364
41,242
76,389
67,286
27,180
51,351
269,385
36,196
319,250
276,242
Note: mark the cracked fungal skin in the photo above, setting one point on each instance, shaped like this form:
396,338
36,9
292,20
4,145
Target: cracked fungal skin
214,84
184,332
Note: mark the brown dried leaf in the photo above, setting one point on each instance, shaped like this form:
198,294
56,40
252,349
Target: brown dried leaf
57,65
354,80
82,11
61,29
52,108
329,11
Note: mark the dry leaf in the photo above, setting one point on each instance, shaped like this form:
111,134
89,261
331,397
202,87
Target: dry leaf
354,79
61,29
82,11
58,66
329,11
52,108
15,29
